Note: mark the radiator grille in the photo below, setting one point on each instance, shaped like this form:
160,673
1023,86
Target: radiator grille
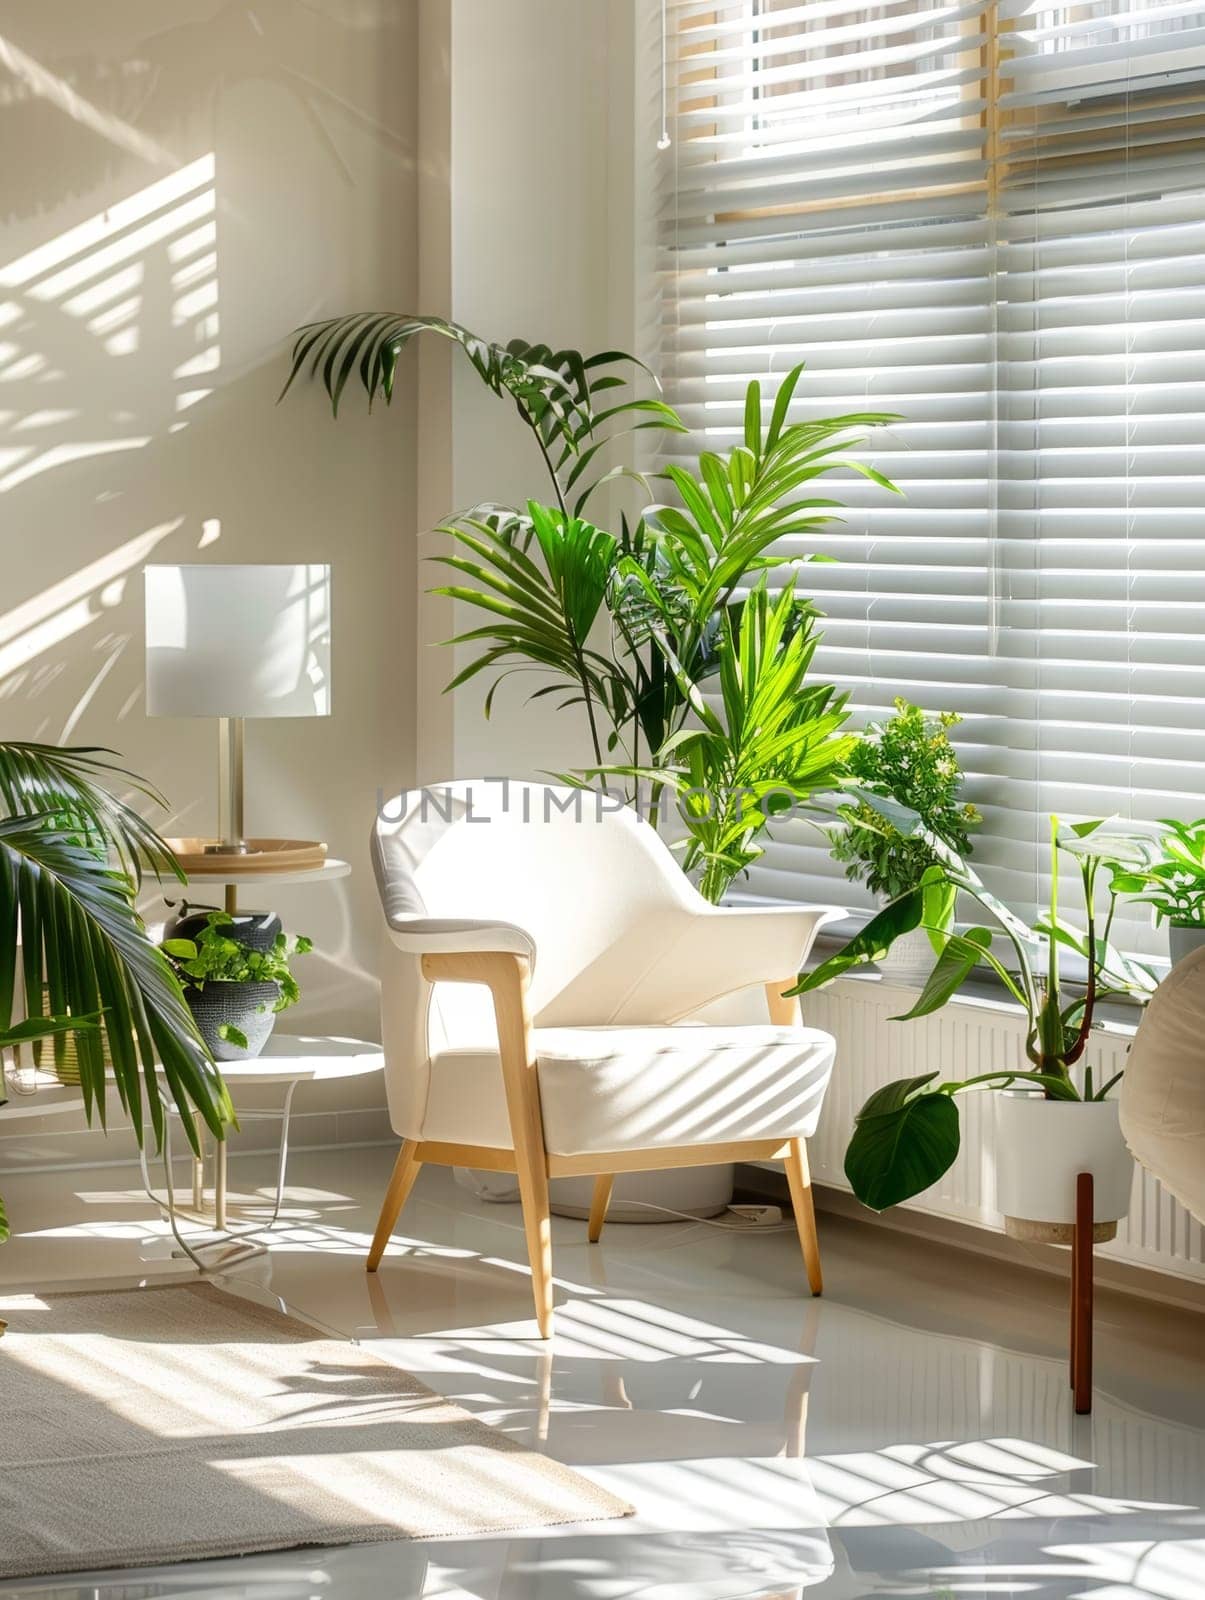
961,1041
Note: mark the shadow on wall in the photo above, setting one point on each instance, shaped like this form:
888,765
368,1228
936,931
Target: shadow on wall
189,198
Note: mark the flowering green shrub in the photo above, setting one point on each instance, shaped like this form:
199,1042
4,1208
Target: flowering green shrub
908,759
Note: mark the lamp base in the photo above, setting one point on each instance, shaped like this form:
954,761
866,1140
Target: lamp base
212,857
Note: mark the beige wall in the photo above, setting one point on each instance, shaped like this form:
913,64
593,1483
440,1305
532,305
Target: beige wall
188,193
537,242
194,180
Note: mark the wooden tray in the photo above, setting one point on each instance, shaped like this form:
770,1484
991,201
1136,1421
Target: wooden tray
265,855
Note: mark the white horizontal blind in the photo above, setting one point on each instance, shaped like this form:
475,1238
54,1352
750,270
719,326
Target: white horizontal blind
983,217
1100,205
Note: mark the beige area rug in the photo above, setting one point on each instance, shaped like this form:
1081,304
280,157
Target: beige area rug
172,1424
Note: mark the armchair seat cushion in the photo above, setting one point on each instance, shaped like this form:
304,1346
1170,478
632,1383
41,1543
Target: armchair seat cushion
640,1088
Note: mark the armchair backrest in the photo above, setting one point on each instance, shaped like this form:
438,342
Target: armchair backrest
592,885
584,877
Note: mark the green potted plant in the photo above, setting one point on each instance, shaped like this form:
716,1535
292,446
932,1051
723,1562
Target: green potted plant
1172,882
1062,1120
635,628
234,990
908,759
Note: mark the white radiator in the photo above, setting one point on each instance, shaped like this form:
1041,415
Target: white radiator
967,1038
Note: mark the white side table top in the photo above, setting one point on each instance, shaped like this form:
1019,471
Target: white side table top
286,1058
331,869
306,1058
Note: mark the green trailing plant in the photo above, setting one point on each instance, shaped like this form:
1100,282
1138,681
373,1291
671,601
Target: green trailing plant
1172,878
214,957
72,857
909,759
907,1134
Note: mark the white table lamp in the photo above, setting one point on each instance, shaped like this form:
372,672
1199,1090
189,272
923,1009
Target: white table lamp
233,642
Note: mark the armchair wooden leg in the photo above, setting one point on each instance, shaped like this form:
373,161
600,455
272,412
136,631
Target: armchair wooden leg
537,1225
799,1178
598,1205
405,1170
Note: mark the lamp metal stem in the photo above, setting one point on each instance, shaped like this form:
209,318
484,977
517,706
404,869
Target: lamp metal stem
230,785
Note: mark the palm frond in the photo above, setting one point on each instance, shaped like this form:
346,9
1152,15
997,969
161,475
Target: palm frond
67,785
85,948
563,396
540,611
735,507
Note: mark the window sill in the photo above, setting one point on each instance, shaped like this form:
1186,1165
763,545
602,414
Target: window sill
983,992
989,995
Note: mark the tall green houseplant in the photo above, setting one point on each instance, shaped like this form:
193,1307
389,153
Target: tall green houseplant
632,625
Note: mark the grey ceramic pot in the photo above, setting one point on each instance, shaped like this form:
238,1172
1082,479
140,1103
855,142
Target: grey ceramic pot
1183,938
256,930
245,1006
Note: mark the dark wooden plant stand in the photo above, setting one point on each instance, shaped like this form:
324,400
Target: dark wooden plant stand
1081,1294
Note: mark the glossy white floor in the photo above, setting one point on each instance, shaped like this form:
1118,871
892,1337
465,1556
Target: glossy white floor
909,1435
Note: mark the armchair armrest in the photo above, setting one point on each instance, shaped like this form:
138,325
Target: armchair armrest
757,944
704,953
430,936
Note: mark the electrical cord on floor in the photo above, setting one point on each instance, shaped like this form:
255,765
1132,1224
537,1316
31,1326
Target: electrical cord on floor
749,1224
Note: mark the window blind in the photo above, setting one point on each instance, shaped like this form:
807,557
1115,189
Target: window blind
989,219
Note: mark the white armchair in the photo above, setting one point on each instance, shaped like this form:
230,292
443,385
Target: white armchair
547,956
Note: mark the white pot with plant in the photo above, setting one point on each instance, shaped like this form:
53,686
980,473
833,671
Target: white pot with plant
1172,882
234,990
907,1135
908,759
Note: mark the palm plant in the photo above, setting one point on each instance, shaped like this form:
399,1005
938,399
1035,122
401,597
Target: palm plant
669,586
71,862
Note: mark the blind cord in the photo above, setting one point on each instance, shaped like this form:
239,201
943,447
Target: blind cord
664,142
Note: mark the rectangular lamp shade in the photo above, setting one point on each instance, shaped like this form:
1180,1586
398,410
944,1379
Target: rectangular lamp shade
238,641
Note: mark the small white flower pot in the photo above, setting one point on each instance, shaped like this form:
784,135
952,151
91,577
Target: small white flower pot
909,961
1041,1147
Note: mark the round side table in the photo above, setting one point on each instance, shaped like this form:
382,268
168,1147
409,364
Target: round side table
288,1060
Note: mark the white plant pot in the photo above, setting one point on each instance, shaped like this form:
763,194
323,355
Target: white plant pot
1041,1148
650,1196
1183,938
663,1196
910,960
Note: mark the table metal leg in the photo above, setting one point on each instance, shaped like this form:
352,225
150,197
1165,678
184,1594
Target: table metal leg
188,1250
220,1185
240,1243
198,1164
282,1160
